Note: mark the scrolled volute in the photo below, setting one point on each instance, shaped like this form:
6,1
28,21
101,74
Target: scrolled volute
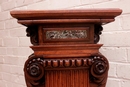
34,70
98,69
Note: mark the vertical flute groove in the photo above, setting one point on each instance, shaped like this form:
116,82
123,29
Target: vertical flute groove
67,78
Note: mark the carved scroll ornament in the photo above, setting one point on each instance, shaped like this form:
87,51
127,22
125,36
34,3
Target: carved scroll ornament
34,71
99,70
35,66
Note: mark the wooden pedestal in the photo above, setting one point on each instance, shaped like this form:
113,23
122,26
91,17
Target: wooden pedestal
66,53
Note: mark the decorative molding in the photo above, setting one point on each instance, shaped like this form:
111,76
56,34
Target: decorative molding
65,63
32,32
97,32
54,63
97,65
98,70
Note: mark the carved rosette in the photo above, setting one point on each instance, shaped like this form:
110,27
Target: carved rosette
98,70
34,71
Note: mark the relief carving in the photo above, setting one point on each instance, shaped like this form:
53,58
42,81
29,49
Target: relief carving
97,65
34,71
66,34
98,70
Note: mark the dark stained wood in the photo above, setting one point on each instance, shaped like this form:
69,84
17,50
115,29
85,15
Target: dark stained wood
66,53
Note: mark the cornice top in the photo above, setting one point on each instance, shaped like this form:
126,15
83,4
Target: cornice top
101,16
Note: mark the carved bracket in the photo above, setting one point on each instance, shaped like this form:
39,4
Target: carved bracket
98,70
32,32
97,32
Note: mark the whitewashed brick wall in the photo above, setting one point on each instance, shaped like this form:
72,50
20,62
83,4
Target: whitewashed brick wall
14,44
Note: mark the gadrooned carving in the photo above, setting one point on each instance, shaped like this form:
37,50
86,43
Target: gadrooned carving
64,63
32,32
98,69
97,32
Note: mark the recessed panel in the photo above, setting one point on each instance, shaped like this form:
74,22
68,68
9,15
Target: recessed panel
66,34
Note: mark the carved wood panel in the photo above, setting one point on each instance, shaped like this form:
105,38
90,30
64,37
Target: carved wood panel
66,53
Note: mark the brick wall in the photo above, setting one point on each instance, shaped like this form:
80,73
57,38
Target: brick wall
14,44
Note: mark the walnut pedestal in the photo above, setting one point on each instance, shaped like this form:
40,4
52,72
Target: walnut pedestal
66,53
